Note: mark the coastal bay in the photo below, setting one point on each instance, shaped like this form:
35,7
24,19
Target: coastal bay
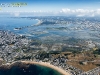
31,68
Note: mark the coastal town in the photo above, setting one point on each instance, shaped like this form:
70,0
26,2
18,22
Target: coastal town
19,48
49,37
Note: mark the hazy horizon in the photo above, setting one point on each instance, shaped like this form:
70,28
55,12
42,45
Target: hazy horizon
77,8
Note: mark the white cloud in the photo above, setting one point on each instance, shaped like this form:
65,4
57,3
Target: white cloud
81,12
98,11
80,15
92,15
16,14
63,11
66,10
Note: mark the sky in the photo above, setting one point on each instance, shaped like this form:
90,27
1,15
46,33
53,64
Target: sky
78,8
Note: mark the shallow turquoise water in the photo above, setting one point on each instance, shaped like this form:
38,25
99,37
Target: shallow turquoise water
31,70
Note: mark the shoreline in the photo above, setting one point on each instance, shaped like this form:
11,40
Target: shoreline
38,23
46,64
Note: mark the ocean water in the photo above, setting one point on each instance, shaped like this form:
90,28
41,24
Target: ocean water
30,70
44,31
10,24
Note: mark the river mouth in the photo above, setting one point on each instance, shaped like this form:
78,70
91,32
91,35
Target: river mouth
20,68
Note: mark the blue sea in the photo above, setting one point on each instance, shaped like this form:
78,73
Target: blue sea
10,23
29,29
30,70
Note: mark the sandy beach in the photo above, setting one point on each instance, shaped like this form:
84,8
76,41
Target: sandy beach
47,65
39,22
